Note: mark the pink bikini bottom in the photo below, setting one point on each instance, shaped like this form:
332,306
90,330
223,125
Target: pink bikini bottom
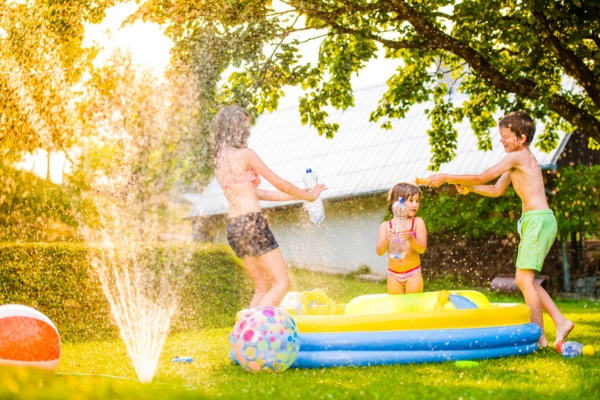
402,277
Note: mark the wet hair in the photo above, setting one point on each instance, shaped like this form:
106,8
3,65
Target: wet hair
229,129
402,189
520,124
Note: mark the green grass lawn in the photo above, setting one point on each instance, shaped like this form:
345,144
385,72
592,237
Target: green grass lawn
102,370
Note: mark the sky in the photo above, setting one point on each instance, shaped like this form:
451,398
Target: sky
146,41
150,49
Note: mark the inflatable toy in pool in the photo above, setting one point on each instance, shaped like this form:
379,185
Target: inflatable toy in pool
411,328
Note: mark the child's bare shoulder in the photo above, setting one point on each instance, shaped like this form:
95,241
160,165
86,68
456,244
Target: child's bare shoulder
246,151
419,221
512,160
248,154
519,157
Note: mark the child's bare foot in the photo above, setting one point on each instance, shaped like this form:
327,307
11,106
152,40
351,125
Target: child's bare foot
543,342
563,330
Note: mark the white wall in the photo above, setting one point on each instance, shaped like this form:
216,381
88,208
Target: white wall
344,241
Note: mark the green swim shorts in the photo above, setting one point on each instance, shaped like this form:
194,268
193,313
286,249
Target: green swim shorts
537,229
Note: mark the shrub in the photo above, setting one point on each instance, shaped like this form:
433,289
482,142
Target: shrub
58,280
576,199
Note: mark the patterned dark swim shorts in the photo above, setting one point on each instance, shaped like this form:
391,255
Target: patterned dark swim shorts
250,235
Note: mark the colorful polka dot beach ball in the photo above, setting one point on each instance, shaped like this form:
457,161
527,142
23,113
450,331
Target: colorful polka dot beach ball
28,338
265,339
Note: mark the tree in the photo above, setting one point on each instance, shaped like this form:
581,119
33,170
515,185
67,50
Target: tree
117,124
41,63
540,56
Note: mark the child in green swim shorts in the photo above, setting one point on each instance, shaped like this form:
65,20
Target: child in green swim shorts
537,229
537,226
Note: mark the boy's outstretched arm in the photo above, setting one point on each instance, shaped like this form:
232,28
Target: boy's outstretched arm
494,190
489,174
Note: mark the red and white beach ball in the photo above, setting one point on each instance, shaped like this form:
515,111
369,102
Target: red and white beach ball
28,338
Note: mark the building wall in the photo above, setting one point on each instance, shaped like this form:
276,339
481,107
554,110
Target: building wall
577,152
344,241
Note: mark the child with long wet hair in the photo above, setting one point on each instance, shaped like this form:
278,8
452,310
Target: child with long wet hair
404,276
238,170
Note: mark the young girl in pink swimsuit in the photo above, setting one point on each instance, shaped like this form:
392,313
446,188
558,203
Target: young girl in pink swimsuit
404,276
238,170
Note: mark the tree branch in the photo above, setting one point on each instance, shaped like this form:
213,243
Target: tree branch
404,44
279,13
520,86
570,62
435,39
313,38
270,59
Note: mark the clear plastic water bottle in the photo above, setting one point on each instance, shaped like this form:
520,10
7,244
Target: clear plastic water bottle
397,247
570,349
315,209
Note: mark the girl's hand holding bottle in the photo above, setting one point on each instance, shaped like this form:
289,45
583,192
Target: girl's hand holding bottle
315,191
402,234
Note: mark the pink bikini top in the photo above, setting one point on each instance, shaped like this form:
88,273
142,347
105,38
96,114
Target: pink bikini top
249,176
412,228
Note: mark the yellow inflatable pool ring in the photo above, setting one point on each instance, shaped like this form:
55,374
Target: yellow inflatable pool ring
417,302
484,317
382,312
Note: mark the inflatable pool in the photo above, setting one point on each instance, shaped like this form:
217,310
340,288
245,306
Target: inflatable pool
413,328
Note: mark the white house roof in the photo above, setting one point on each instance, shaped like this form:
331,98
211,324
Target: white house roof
362,158
192,198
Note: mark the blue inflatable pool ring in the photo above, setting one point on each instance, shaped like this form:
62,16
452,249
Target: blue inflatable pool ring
322,350
329,359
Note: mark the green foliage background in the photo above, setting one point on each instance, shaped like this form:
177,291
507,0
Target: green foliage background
58,280
576,199
471,215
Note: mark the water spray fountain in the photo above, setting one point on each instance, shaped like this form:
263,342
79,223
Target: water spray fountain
141,285
140,280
